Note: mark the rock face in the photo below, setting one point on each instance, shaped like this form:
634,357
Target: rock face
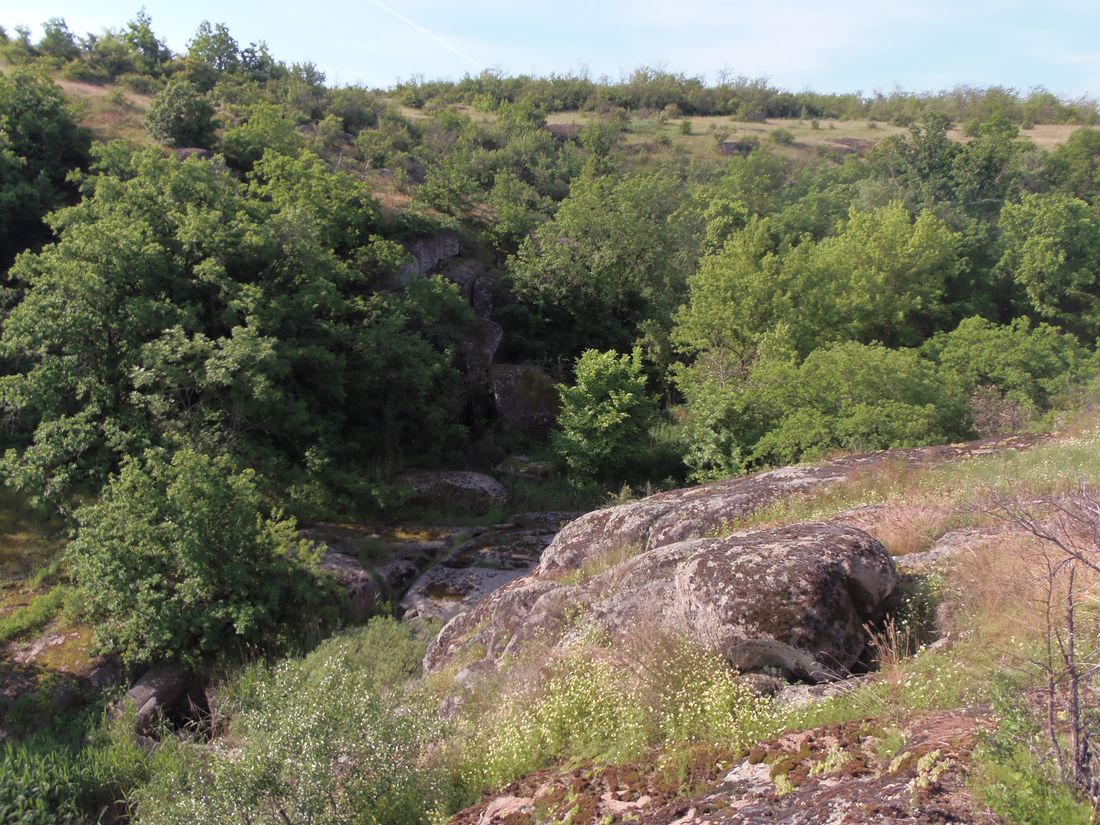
427,254
457,490
698,511
792,598
526,398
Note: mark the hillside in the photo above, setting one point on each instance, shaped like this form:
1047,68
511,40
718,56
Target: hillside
540,449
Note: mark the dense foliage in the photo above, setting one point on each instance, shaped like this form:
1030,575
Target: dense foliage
179,559
192,346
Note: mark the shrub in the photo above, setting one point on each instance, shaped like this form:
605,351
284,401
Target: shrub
331,738
782,136
685,127
181,115
180,559
605,415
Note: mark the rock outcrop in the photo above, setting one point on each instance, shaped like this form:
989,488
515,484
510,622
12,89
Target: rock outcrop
526,398
791,598
426,255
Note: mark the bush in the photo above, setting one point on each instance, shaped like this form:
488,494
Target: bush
330,739
181,115
685,127
181,559
605,415
782,136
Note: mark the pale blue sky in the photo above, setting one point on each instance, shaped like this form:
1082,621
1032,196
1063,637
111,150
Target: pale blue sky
864,45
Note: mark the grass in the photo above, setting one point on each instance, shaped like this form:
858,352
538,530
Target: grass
37,614
28,538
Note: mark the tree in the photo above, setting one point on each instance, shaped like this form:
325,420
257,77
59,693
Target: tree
215,47
181,115
182,307
606,415
266,127
40,143
57,41
615,254
151,54
1028,364
1051,251
180,559
851,396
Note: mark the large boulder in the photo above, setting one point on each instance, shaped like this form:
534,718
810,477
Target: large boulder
156,694
526,398
477,349
791,598
455,490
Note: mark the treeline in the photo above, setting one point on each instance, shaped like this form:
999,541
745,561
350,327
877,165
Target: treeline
648,90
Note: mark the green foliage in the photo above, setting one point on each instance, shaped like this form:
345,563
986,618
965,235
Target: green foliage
266,127
852,397
37,788
1052,252
606,415
1010,780
181,306
1028,364
40,143
180,559
617,251
40,610
590,706
181,115
330,739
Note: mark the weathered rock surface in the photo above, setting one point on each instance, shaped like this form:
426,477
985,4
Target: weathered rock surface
374,565
698,511
477,350
156,694
482,565
792,598
426,254
365,596
456,490
526,398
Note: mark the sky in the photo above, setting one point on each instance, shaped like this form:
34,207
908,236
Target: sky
853,45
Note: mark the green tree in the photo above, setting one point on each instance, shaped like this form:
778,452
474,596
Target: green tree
57,41
215,47
40,143
181,115
605,416
182,307
266,126
1029,364
1051,251
151,54
617,252
180,559
852,396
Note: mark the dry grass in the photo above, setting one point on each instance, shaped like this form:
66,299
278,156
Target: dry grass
908,529
110,112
